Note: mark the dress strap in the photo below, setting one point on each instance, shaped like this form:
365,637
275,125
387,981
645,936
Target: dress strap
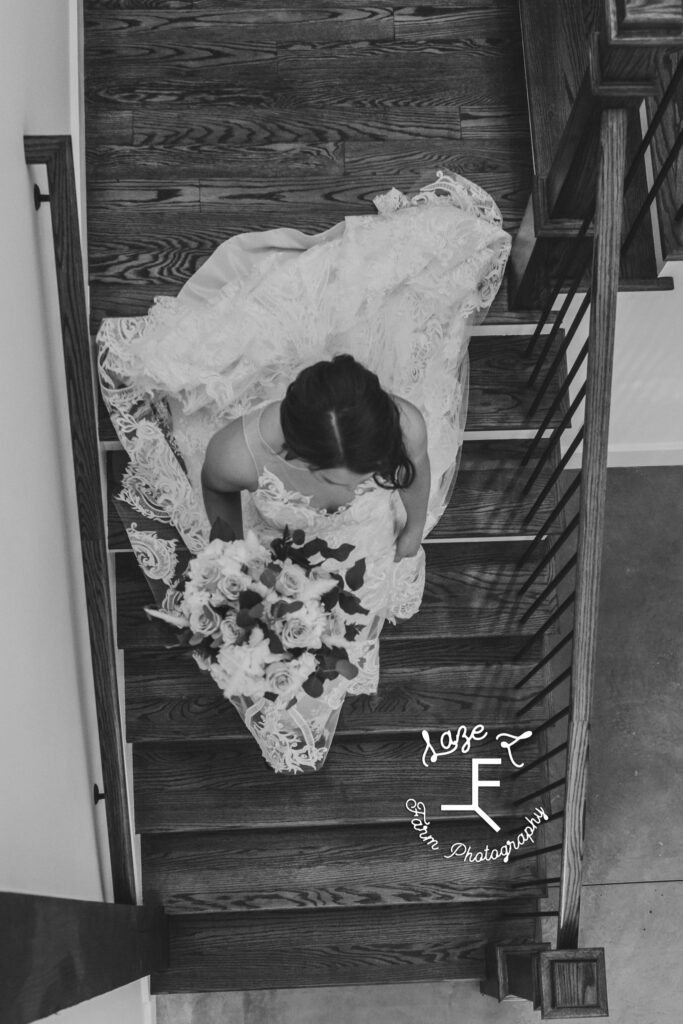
253,439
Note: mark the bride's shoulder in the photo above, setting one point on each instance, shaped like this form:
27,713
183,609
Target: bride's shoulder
228,463
413,426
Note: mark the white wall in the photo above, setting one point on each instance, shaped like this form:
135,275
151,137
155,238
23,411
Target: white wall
52,839
646,412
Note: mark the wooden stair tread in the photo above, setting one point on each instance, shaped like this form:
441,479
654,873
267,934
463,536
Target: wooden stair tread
200,786
300,869
192,707
291,949
472,589
500,397
486,501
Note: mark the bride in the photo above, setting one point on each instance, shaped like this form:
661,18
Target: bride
315,382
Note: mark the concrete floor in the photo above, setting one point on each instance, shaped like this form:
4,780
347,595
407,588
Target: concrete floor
632,899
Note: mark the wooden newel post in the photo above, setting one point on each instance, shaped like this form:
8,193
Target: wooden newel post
561,983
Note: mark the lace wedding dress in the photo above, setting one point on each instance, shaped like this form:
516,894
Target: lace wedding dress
400,291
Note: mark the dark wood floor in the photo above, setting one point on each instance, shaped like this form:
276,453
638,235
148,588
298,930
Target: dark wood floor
207,118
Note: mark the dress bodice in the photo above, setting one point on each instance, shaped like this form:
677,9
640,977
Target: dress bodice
304,487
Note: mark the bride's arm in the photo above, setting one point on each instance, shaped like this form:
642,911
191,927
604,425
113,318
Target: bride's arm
228,469
416,497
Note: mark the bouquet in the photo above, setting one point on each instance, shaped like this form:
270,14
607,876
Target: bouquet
269,623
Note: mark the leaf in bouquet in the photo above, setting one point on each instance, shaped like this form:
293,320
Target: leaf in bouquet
281,608
268,578
355,575
350,604
340,554
244,619
298,538
196,638
222,530
352,630
256,611
330,599
346,669
313,685
248,598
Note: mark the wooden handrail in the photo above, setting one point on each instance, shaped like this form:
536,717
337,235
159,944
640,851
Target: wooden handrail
604,289
55,152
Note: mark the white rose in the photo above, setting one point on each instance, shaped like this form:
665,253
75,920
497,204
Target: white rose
303,628
231,633
232,583
292,580
204,620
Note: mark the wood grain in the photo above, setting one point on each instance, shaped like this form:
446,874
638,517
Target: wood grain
224,785
605,288
289,948
192,707
295,869
500,396
238,125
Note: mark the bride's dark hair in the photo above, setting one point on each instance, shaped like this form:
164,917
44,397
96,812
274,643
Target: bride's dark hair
336,414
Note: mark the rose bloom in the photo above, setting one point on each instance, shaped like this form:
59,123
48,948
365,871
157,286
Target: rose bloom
284,677
205,620
231,633
303,628
292,579
231,584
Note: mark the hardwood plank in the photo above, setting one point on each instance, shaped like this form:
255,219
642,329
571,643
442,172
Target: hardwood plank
270,161
501,167
105,198
471,590
497,123
190,707
500,397
293,869
133,51
373,75
110,127
217,785
488,498
281,25
396,944
488,19
261,126
474,588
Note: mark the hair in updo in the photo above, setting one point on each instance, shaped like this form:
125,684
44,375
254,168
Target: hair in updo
335,414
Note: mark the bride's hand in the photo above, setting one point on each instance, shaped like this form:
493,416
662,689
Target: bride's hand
407,544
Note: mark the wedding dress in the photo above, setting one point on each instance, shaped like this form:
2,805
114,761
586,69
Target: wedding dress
400,291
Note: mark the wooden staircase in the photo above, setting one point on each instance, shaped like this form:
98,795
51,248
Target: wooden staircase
209,118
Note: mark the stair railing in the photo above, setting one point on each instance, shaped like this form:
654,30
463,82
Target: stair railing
573,558
56,153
